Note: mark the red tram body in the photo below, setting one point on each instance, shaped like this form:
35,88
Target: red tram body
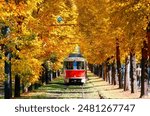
75,69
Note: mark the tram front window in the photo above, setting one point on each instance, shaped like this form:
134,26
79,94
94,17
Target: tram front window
74,65
80,65
69,65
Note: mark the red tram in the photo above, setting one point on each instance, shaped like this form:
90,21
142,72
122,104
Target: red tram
75,69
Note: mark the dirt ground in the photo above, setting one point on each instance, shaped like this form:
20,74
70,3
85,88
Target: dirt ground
108,91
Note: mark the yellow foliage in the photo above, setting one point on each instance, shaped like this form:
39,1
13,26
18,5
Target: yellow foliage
37,35
1,70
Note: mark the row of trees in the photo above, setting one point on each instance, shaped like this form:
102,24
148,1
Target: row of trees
116,32
40,31
108,33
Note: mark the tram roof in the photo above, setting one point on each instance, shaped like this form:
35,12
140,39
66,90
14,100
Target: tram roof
75,59
75,55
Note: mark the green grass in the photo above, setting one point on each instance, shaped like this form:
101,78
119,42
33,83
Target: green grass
56,89
58,83
1,97
35,97
44,92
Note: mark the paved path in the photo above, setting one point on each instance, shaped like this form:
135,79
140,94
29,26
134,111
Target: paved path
108,91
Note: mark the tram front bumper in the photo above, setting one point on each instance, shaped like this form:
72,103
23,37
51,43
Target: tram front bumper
68,80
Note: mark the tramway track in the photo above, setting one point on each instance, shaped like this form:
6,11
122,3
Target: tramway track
72,91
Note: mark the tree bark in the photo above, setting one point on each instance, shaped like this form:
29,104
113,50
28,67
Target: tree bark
46,77
92,68
105,71
133,72
97,71
43,76
17,86
54,74
148,38
23,88
144,76
100,71
8,78
109,73
30,88
118,64
113,81
126,78
51,75
58,72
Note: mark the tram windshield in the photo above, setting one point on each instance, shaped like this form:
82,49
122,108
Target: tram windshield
74,65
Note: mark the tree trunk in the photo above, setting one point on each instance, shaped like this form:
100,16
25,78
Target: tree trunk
54,74
109,74
144,76
46,77
100,71
58,72
105,71
23,88
17,86
30,88
118,64
148,38
97,71
8,79
126,78
113,80
43,76
92,68
51,75
133,72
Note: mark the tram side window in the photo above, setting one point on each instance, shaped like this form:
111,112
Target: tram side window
69,65
80,65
